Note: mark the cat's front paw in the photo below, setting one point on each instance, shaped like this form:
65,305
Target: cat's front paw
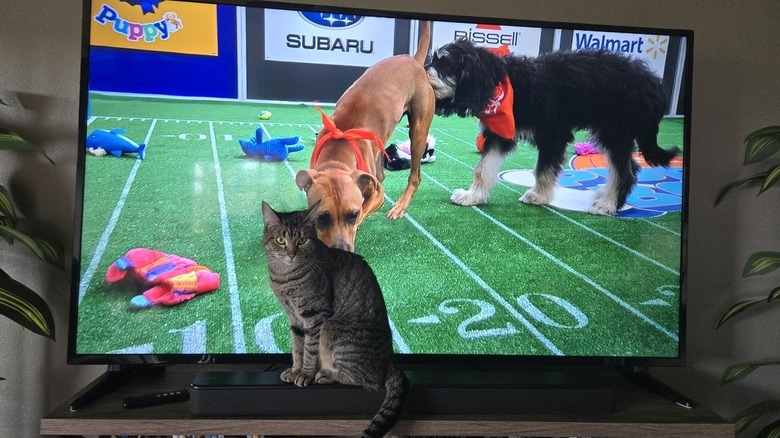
303,379
325,377
297,376
288,375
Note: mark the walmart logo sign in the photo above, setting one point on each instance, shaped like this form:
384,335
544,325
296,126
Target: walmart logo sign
631,44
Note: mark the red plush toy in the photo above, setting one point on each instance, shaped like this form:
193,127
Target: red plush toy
171,279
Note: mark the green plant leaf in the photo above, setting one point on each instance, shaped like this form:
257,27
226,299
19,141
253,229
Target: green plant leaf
10,140
759,177
762,144
773,175
739,372
775,294
738,308
22,305
6,206
772,430
761,263
743,419
7,212
43,249
6,222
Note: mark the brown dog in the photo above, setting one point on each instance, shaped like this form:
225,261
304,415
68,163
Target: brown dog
346,170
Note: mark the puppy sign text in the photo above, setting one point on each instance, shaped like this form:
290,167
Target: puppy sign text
147,32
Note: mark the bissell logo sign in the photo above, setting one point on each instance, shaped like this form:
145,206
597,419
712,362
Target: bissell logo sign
488,34
135,31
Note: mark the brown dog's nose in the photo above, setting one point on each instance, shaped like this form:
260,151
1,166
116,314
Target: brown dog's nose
342,244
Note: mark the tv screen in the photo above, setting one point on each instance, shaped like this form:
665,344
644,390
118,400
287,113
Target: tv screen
166,192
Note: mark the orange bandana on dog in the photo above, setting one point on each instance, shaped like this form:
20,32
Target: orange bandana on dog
350,135
498,115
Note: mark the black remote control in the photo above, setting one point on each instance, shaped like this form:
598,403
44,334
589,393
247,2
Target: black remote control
159,398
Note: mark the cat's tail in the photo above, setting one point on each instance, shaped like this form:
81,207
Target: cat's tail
396,390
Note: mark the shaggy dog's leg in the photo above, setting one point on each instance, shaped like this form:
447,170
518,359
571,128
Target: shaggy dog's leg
549,166
621,179
485,177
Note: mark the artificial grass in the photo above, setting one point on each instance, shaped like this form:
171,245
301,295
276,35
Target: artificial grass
504,278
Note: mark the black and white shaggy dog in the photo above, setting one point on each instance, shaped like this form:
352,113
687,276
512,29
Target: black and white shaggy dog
618,99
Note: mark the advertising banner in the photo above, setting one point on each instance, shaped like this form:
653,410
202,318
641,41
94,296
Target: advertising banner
169,26
501,39
327,38
650,48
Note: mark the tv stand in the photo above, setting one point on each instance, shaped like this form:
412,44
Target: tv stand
115,377
431,392
638,413
641,377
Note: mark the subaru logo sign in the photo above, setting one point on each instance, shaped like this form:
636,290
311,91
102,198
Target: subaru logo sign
331,20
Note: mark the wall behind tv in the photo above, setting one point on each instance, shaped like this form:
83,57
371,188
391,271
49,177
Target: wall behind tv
735,91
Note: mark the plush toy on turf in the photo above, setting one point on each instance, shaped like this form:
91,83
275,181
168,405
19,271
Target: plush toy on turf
399,156
585,148
275,149
101,141
171,279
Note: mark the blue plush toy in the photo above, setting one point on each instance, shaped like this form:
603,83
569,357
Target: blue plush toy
275,149
101,141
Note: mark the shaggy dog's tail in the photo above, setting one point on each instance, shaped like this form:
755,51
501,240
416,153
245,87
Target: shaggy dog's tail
657,156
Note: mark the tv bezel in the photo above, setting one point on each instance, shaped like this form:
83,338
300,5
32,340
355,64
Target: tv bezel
481,361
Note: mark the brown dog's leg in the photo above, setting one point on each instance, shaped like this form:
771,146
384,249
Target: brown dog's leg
420,117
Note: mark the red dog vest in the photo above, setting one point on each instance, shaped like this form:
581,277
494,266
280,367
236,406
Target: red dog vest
498,115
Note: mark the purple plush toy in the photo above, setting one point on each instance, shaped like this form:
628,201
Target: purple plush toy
275,149
585,148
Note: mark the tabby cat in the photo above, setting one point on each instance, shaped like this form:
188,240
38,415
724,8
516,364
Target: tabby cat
338,318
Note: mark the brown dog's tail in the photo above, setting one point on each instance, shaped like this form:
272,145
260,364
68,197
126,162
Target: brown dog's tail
423,42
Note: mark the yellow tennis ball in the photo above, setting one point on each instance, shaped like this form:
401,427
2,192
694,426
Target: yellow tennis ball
265,115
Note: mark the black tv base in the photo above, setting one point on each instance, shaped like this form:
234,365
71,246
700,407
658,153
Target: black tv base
249,393
115,377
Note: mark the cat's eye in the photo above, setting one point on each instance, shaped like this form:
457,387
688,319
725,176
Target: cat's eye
303,240
281,241
352,217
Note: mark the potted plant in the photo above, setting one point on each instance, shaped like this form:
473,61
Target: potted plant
17,301
759,146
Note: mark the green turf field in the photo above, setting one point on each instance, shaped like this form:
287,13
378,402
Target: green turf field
504,278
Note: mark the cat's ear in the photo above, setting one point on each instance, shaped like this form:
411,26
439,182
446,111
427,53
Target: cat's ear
269,215
311,214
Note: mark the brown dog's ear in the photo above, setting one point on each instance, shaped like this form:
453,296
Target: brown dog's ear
305,178
373,194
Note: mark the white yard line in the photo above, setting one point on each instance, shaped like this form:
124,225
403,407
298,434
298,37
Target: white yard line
239,341
565,266
482,283
103,242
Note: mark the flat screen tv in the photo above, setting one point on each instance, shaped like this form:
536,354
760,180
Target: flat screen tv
170,90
